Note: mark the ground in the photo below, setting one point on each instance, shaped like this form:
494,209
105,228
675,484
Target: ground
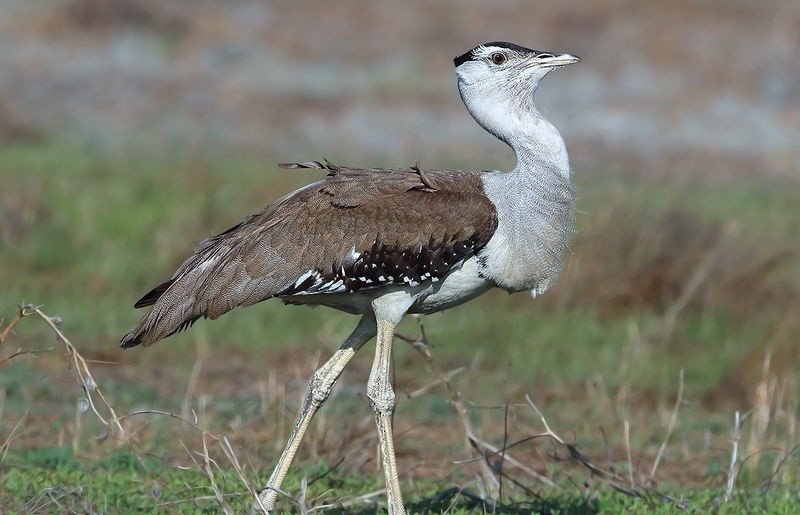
660,299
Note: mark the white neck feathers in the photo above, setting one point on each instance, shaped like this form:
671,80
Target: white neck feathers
535,206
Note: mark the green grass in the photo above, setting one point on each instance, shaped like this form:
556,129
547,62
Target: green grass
85,232
51,480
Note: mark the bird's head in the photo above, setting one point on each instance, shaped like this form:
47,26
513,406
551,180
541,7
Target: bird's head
497,81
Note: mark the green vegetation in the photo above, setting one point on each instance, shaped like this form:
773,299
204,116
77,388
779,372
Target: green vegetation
665,277
52,480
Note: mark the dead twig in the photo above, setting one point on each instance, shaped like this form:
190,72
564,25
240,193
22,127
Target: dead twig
84,375
10,326
613,480
770,481
22,352
482,447
433,384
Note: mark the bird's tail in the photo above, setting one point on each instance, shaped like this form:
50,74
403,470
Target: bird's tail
173,311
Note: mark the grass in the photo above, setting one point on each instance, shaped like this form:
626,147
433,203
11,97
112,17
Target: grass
668,279
75,485
53,480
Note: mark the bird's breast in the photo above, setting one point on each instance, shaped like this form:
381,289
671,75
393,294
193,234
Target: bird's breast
525,259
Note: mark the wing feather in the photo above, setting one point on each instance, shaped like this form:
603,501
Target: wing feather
375,222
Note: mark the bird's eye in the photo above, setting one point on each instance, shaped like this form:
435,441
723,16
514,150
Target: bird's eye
498,58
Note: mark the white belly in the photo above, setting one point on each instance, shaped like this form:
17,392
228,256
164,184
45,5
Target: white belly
457,287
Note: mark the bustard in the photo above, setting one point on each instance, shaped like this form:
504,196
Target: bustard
382,243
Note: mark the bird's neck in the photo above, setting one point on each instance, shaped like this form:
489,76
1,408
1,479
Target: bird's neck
535,208
540,150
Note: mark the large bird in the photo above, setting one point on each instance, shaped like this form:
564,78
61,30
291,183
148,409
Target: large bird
382,243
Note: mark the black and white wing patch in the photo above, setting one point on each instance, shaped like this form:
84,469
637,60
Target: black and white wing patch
383,265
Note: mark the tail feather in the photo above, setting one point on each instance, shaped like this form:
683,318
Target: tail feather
131,340
139,335
174,308
186,325
202,291
173,311
153,295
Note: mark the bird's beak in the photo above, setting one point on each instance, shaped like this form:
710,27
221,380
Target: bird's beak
546,60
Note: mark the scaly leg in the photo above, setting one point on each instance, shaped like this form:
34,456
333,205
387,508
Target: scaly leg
319,387
380,392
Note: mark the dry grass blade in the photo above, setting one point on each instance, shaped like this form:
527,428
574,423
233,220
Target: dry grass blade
733,468
369,498
225,445
11,437
227,449
700,275
673,419
193,377
49,500
209,470
627,427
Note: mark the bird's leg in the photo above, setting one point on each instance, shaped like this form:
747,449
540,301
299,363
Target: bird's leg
380,392
319,387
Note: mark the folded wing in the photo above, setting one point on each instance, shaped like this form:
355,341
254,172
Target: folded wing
356,230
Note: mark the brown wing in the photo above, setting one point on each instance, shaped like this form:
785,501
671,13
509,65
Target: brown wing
357,229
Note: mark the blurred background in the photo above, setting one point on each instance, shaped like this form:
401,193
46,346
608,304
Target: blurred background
131,129
714,84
